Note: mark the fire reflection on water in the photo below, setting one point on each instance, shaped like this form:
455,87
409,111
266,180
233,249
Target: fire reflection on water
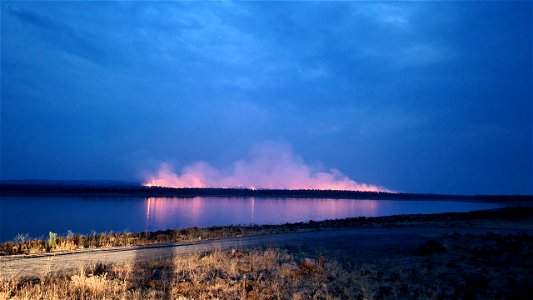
164,213
253,207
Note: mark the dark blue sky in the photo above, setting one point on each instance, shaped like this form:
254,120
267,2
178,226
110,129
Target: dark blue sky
417,97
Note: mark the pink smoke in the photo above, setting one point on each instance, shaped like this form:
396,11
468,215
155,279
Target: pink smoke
269,166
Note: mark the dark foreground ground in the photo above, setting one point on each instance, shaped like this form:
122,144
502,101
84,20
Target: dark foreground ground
481,255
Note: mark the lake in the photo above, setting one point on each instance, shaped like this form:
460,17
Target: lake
39,215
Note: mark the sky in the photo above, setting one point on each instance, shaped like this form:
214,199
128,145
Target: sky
414,97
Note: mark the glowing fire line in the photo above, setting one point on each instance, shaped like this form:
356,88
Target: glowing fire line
269,166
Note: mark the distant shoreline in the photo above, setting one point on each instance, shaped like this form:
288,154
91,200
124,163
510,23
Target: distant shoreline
112,190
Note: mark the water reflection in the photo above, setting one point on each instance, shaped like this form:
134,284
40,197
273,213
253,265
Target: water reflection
207,211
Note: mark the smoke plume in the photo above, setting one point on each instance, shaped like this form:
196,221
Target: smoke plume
268,166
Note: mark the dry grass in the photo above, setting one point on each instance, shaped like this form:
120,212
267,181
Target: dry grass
453,266
232,274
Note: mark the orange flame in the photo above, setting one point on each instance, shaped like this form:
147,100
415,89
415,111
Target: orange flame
270,166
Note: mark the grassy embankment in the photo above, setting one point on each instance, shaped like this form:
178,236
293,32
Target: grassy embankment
490,218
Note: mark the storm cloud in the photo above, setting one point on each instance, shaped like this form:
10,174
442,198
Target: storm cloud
416,97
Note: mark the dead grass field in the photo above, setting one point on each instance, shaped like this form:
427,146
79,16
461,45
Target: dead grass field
453,266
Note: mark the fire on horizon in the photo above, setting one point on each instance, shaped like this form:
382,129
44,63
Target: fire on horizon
269,166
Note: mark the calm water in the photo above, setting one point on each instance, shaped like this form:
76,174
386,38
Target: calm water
39,215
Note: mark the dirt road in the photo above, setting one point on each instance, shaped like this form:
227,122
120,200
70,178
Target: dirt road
366,244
